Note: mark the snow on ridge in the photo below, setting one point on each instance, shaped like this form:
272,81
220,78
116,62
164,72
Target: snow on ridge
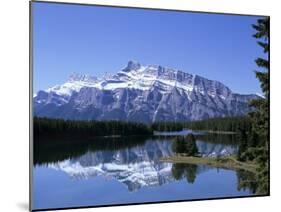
134,76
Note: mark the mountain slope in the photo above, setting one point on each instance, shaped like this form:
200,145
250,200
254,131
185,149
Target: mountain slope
140,93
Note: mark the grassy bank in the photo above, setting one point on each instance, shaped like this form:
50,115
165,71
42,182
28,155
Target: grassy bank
223,162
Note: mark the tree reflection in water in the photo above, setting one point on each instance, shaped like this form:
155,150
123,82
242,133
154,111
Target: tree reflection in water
188,171
247,180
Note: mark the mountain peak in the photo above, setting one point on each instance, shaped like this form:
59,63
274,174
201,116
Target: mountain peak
132,65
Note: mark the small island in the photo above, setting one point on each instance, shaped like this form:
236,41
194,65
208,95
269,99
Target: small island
186,151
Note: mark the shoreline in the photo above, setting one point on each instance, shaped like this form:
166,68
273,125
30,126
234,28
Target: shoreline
217,132
226,162
173,132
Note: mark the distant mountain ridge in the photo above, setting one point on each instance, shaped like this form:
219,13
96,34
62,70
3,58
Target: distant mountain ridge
142,94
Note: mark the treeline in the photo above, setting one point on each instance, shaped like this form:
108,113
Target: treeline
59,127
227,124
47,126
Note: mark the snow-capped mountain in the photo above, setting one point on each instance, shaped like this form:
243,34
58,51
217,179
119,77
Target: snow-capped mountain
140,93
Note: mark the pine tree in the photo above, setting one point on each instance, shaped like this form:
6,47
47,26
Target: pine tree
260,116
179,145
185,145
191,147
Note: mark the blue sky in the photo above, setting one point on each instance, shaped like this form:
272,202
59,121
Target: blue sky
94,40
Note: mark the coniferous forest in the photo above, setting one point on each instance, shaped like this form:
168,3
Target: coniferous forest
227,124
47,126
59,127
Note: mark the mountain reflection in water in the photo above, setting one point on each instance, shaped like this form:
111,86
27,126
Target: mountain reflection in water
136,165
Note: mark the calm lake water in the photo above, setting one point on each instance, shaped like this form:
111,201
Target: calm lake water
128,170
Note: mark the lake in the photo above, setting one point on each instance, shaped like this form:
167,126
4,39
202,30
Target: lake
105,171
